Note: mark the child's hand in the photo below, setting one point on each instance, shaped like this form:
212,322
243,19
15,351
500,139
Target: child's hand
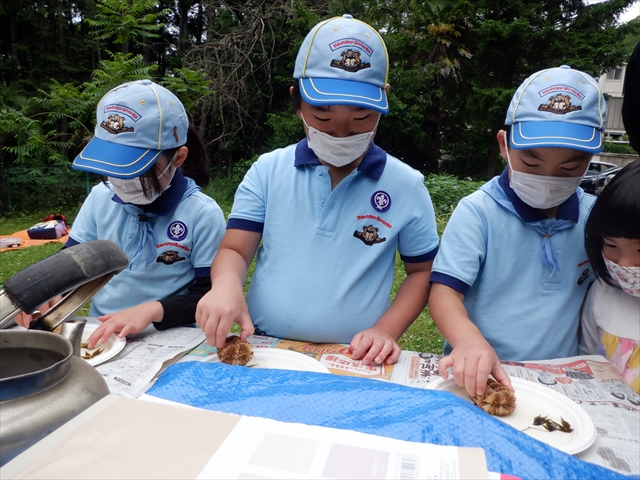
24,320
129,321
219,309
378,345
471,364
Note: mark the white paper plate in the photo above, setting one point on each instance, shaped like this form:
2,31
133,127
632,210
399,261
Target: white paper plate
110,349
280,360
533,400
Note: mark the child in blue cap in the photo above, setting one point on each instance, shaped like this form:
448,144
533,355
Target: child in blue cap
327,215
151,206
512,270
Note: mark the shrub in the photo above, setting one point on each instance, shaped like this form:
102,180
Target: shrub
447,190
623,148
28,189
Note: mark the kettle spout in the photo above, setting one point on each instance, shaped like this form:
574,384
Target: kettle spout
72,330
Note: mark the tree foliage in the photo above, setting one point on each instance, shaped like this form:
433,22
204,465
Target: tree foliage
125,21
512,39
454,65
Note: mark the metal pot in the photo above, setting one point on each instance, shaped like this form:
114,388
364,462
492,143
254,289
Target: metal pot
43,384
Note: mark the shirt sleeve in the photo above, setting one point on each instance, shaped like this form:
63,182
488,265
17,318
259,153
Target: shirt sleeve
207,235
249,203
462,249
418,240
590,336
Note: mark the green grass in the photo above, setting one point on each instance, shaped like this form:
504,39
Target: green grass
421,336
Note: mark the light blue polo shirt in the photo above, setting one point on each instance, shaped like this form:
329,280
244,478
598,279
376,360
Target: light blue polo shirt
325,267
491,254
188,226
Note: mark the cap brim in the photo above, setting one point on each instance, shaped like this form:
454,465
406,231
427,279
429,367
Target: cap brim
329,91
114,160
556,134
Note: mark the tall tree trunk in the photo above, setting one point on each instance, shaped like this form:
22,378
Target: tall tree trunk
183,34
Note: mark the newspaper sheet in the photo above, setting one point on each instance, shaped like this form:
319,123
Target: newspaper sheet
595,384
144,356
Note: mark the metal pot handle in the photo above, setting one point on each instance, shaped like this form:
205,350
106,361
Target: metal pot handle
82,269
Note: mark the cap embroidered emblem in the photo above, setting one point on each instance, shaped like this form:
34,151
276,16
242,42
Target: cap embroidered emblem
177,231
115,124
381,201
351,61
559,104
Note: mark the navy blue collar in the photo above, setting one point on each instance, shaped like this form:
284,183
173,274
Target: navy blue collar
372,165
568,210
170,198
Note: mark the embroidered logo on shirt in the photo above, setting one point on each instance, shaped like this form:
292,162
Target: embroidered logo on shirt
169,257
369,235
177,231
374,217
583,276
381,201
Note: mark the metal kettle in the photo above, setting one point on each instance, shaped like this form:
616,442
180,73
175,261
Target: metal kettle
43,381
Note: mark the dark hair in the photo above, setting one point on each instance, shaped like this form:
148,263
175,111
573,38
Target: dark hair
195,166
616,214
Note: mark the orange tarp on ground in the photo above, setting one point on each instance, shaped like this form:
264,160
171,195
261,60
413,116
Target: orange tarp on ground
27,242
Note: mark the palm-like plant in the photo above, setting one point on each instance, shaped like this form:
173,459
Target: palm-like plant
125,21
438,22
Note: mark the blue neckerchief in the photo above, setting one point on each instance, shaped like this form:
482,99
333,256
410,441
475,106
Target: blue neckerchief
143,243
567,216
372,164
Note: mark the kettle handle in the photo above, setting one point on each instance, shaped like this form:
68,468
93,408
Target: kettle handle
64,271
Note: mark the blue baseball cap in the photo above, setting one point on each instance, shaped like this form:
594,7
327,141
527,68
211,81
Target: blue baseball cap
558,107
343,61
135,123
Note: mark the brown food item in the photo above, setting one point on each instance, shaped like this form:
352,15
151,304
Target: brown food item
87,354
236,351
496,400
552,426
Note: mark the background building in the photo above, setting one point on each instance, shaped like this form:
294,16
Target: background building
611,84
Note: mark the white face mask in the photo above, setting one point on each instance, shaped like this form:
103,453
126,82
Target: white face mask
627,277
130,191
338,151
541,191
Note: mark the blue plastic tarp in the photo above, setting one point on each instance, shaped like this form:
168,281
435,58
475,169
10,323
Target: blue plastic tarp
369,406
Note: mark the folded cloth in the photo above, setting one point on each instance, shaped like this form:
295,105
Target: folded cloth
369,406
10,242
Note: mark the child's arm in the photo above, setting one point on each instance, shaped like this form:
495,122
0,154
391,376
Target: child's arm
472,358
225,304
379,343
